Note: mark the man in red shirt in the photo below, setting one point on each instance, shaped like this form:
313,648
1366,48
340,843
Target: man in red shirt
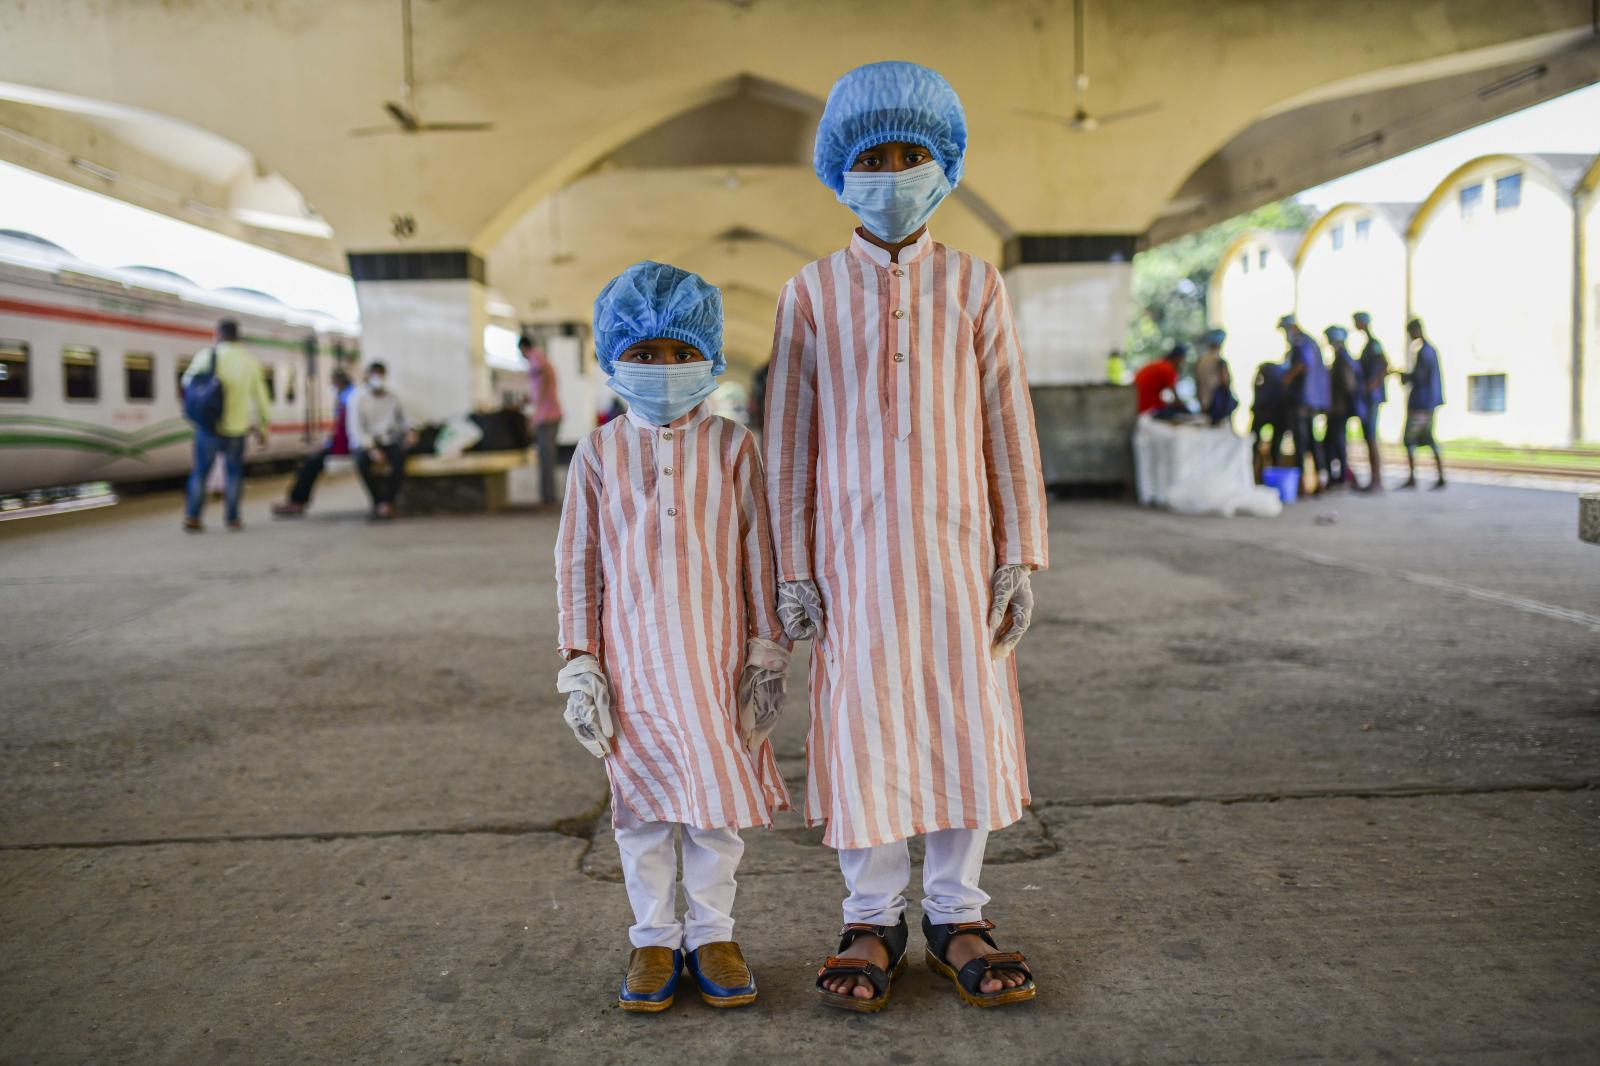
1158,377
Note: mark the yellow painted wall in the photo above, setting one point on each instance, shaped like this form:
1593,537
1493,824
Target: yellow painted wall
1367,275
1247,301
1494,292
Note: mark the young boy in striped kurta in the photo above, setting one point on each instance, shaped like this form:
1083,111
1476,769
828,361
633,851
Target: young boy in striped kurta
675,656
908,511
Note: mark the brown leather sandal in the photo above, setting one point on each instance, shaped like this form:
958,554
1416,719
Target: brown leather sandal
969,979
882,981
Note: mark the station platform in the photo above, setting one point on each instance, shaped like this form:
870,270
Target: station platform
1304,790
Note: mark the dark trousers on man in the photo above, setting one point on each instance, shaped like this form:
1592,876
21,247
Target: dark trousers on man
1336,449
305,478
207,446
1302,429
1369,430
384,488
544,442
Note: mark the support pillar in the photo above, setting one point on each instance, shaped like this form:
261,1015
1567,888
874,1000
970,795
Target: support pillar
422,316
1070,294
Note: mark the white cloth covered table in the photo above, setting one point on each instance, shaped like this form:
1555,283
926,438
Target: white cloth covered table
1195,469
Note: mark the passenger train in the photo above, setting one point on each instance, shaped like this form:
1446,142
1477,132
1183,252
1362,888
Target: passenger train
90,362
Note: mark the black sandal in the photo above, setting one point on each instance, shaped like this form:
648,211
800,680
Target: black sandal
882,981
971,976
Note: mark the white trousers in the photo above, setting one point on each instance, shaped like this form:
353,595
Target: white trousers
650,871
877,878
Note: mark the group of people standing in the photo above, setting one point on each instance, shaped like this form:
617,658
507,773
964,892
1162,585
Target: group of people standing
1291,395
225,399
1307,387
895,521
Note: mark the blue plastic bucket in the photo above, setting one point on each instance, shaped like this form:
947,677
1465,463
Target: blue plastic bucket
1286,479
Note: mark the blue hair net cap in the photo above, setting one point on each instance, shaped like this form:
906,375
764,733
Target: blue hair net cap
1286,321
1214,337
891,101
656,300
1336,333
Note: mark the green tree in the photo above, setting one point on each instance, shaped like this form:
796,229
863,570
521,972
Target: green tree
1170,282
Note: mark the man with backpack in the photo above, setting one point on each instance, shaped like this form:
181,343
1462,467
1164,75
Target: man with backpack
222,389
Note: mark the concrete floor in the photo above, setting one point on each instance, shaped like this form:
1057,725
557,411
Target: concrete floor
1304,792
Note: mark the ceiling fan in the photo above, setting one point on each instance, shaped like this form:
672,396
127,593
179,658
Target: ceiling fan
404,111
1081,120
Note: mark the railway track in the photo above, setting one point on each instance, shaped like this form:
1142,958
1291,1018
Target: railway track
1562,473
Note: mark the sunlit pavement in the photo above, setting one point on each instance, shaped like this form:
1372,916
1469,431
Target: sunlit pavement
1318,788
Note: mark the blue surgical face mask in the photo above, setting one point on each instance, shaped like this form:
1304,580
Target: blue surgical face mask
894,206
659,394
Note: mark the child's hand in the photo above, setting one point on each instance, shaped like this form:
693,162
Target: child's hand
1010,608
762,683
800,609
588,703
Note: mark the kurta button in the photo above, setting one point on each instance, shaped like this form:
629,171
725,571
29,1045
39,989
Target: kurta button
899,357
666,434
667,471
899,312
672,512
899,273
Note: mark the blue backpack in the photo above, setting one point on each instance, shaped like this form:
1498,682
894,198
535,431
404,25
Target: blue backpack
202,397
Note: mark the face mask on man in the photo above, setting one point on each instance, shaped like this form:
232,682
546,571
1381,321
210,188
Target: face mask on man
659,394
895,205
377,382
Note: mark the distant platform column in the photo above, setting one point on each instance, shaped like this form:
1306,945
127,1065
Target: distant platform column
422,315
1069,294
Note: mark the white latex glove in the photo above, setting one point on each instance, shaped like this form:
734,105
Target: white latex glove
588,703
800,609
1010,608
762,684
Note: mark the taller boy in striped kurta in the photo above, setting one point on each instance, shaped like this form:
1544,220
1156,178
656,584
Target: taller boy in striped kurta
908,510
904,472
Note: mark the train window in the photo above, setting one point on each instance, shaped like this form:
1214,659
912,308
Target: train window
139,376
80,372
14,384
288,384
271,382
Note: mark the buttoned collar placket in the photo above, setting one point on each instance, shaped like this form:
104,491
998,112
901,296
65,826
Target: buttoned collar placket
899,320
667,449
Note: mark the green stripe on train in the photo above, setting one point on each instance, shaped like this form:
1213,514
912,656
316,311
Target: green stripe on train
121,436
42,440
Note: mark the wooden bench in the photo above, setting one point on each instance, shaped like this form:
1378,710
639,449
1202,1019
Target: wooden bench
470,483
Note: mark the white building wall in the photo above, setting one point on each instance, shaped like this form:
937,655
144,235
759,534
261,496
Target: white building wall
1494,292
1360,275
1250,291
1069,317
430,336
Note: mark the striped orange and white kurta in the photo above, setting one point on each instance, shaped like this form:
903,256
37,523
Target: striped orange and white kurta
663,571
904,469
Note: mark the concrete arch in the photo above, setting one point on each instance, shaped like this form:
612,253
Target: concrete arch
583,157
1353,120
163,163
